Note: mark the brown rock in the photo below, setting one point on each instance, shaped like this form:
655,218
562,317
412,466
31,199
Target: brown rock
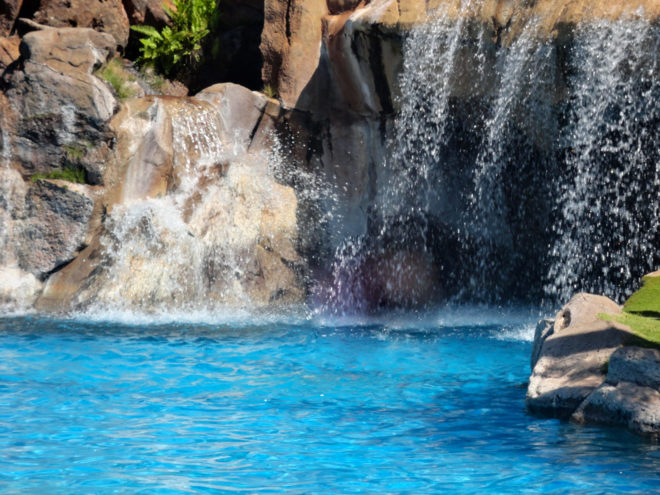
60,109
9,10
107,16
9,52
148,12
573,358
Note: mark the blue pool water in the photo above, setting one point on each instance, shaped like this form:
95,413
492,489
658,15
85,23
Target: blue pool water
426,405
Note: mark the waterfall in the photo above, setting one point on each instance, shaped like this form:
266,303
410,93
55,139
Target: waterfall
608,200
523,169
198,244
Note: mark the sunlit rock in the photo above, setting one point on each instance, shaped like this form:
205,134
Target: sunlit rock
59,110
573,358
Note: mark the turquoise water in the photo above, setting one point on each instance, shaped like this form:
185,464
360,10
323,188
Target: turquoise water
426,405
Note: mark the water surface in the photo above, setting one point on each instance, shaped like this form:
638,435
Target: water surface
401,405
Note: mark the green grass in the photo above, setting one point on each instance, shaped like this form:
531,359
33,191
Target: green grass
641,313
70,174
270,91
646,301
646,329
118,77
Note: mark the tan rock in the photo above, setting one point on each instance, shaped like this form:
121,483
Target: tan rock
148,12
9,52
58,107
9,10
107,16
573,358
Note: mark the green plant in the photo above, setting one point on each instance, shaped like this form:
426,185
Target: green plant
174,47
69,174
270,91
118,77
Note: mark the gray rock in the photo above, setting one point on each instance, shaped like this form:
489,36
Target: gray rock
636,365
543,330
626,403
59,108
54,225
572,360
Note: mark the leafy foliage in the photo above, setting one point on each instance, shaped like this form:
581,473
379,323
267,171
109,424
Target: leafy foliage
172,48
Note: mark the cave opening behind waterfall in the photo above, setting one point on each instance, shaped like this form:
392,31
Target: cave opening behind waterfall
516,173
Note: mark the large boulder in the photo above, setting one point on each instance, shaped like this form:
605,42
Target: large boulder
631,394
54,225
585,369
44,224
573,358
107,16
58,110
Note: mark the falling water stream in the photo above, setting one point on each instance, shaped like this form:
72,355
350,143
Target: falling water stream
525,171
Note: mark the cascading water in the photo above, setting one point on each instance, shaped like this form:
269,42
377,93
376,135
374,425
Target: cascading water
204,243
608,201
520,169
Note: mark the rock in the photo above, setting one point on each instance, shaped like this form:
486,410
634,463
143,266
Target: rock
9,10
543,330
54,225
59,108
625,404
194,217
148,12
631,395
107,16
291,45
635,365
572,360
248,118
9,52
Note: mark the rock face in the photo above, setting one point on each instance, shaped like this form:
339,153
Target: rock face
9,52
631,394
148,12
59,110
582,372
195,218
44,224
107,16
9,10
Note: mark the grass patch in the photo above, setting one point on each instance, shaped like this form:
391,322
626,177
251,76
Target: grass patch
270,91
69,174
646,301
645,328
119,78
641,313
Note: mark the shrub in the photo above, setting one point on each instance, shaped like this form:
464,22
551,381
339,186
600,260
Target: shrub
174,47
